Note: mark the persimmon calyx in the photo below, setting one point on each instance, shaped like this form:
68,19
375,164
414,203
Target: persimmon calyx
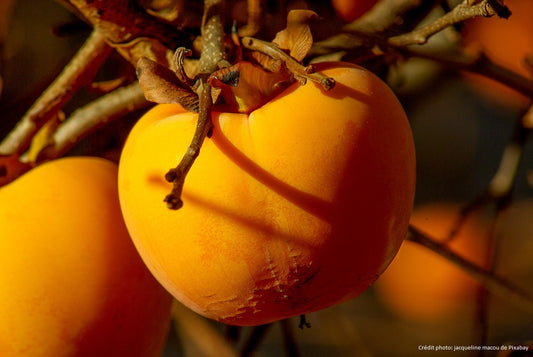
162,85
246,86
243,86
300,72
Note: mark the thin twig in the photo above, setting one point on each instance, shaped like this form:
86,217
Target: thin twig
459,14
197,331
388,17
122,22
289,342
490,264
254,340
499,193
93,116
504,180
494,283
500,187
300,72
80,71
479,64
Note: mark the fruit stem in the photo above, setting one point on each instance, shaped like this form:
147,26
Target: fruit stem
203,127
303,322
212,55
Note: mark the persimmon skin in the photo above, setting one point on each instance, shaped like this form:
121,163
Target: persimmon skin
71,282
349,10
295,207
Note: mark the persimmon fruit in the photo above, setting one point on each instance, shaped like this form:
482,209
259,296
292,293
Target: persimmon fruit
71,282
349,10
421,286
296,206
507,42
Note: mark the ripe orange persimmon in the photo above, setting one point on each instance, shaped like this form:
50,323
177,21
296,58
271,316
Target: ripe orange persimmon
297,206
507,42
350,10
71,281
421,286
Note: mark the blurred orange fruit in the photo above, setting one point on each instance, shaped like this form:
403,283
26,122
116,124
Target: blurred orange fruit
419,285
507,42
349,10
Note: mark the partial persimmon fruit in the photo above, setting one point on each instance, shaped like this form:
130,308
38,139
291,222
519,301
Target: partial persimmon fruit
71,282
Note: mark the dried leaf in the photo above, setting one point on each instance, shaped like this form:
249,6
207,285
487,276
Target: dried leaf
160,85
103,87
255,18
180,13
297,37
43,138
144,47
301,73
245,86
167,10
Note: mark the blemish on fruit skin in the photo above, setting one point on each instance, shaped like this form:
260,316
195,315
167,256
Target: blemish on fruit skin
272,269
286,296
308,280
271,288
217,304
293,256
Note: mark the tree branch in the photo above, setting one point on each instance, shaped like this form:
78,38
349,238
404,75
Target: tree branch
122,21
387,18
80,71
391,16
197,331
93,116
495,284
504,180
459,14
479,64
